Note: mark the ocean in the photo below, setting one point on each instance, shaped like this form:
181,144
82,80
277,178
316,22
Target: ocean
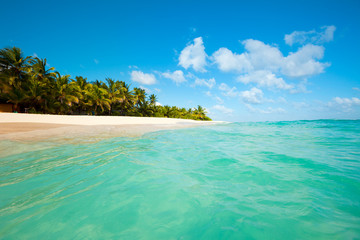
266,180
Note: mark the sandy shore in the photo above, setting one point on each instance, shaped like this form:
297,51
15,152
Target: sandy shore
17,126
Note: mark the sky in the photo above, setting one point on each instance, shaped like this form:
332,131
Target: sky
241,60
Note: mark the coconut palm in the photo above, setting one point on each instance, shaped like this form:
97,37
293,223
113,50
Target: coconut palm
128,99
98,97
66,93
37,94
153,99
82,86
40,83
140,95
13,66
115,95
40,71
200,113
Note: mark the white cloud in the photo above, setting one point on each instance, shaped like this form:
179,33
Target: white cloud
177,76
264,78
328,34
203,82
356,89
347,101
261,58
312,36
258,56
227,91
223,109
253,96
194,56
143,78
344,104
96,61
228,61
302,63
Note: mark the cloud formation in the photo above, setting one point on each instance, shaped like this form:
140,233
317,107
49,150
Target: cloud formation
264,78
344,104
347,101
252,96
228,91
143,78
268,59
303,62
203,82
228,61
194,56
177,76
312,36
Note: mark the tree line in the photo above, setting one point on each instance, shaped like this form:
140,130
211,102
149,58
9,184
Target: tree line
31,86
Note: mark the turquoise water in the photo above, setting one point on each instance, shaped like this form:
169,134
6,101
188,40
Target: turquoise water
277,180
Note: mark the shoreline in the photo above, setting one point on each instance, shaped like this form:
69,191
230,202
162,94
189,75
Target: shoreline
24,126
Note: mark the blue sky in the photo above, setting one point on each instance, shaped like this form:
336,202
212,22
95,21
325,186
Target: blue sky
242,60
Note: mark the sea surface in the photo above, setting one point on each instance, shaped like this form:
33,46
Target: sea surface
269,180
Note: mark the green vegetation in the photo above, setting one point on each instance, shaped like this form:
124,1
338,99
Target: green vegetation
30,85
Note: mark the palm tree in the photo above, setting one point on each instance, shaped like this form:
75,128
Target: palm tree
98,98
140,95
153,99
82,86
114,90
167,111
40,83
128,99
37,95
66,92
200,113
39,70
13,66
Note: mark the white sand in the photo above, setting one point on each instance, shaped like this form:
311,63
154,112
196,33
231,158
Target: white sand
90,120
18,126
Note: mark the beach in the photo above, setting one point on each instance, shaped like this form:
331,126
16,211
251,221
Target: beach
20,126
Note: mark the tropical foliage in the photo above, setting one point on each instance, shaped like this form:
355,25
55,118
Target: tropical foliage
31,86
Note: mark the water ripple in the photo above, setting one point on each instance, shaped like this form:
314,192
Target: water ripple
274,180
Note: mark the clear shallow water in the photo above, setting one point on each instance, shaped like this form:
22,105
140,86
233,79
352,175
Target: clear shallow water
280,180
